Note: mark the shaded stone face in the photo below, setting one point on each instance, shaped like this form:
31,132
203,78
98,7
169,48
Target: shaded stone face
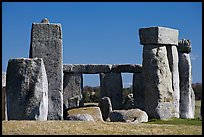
72,90
138,91
27,89
4,113
111,86
105,107
184,46
46,43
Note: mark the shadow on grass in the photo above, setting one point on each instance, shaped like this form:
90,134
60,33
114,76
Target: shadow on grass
177,121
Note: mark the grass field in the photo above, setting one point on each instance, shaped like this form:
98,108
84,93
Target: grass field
153,127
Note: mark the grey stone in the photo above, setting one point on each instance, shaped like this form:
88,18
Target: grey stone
105,107
80,117
138,91
26,89
3,79
93,111
187,97
131,68
86,68
130,115
128,102
4,109
45,20
173,59
158,82
184,46
46,43
158,35
72,90
111,86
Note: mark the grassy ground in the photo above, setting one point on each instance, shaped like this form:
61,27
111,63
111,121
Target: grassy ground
95,128
153,127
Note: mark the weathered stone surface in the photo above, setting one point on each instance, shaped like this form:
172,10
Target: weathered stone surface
3,79
72,90
184,46
187,97
93,111
130,115
128,102
46,43
158,35
158,82
111,86
138,91
26,89
4,110
105,107
172,55
131,68
80,117
87,68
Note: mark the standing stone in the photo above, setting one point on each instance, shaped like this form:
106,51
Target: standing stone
27,89
4,112
159,101
105,107
172,54
111,86
187,96
138,91
72,90
46,43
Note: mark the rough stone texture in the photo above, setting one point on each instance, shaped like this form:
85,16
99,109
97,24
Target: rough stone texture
187,96
158,82
172,55
138,91
128,102
105,107
130,115
184,46
72,90
111,86
87,68
93,111
158,35
131,68
46,43
4,112
27,89
80,117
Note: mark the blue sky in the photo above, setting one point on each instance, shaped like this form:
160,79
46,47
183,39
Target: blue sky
101,32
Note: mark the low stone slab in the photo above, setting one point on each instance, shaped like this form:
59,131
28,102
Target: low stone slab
129,68
86,68
131,115
93,111
80,117
27,89
158,35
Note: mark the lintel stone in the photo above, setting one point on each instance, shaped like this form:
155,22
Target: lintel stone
158,35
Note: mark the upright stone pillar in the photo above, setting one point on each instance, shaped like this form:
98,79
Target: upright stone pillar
26,89
111,86
4,109
187,96
159,100
138,91
72,90
172,54
46,43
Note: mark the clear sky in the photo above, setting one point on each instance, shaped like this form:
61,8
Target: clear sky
101,32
